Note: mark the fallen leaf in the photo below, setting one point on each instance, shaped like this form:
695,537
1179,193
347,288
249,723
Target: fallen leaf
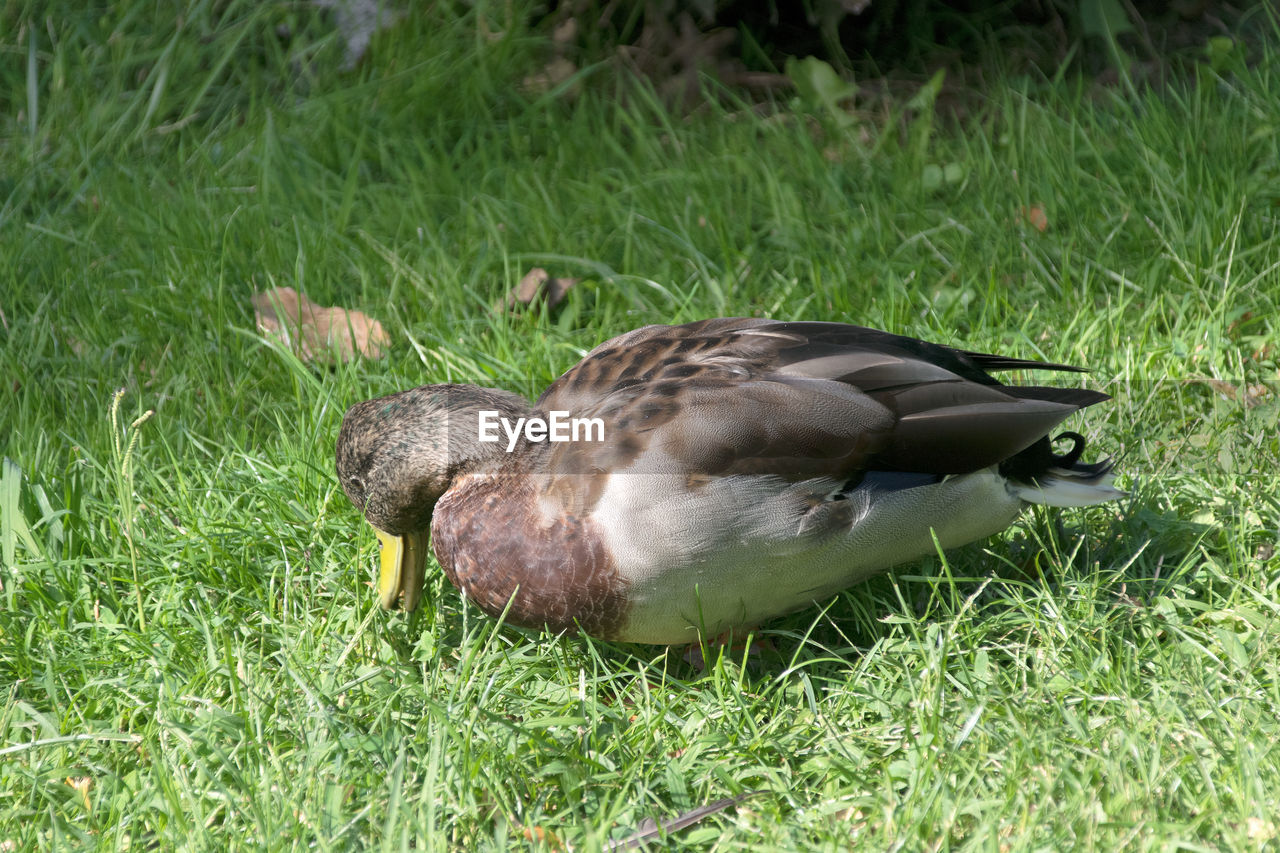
1226,389
536,283
1235,324
1258,829
81,785
555,72
1254,393
315,332
565,31
852,815
1036,216
1250,395
544,836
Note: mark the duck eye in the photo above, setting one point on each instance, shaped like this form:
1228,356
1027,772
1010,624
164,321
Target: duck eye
357,485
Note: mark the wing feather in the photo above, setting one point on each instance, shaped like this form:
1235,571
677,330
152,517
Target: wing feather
801,399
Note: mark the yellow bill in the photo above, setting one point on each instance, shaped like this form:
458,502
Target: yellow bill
402,569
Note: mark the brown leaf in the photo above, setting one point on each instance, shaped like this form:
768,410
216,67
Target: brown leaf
1250,395
1226,389
1254,393
1257,829
854,816
553,74
81,785
538,283
1036,216
565,31
544,836
315,332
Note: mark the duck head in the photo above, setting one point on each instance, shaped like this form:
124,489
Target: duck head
396,455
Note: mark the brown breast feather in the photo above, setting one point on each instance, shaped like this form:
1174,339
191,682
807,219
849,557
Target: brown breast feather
496,543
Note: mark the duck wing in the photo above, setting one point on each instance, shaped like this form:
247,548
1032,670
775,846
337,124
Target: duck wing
798,400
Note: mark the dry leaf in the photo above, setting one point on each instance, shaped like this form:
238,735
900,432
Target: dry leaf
553,74
559,67
1250,395
544,836
855,817
565,32
1036,216
1254,393
1258,829
1226,389
538,283
81,785
313,331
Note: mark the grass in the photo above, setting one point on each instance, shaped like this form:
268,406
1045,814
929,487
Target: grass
190,652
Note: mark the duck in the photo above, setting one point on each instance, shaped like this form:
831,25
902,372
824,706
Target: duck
682,482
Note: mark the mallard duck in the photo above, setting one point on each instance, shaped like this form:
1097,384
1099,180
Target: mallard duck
727,471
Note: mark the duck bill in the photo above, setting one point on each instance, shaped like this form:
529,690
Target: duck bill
401,569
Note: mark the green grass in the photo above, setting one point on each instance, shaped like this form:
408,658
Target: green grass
186,618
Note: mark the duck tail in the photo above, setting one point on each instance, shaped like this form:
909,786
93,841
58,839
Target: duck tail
1064,480
1071,487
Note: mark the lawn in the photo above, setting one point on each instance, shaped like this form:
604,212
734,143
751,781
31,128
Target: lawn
191,653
